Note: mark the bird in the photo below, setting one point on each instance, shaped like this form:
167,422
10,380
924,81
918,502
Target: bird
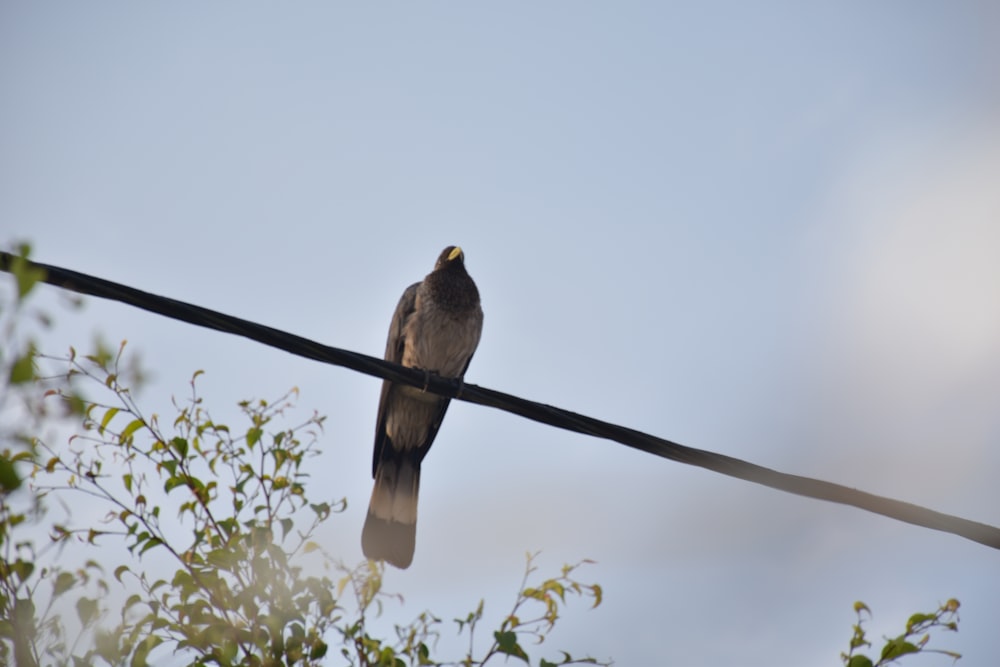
436,327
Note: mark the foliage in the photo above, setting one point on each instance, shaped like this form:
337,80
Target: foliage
24,578
913,640
216,536
31,580
19,399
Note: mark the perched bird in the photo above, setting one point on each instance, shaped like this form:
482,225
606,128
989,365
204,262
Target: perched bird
436,328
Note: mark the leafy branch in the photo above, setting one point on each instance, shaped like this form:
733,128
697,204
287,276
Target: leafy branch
913,640
225,509
549,594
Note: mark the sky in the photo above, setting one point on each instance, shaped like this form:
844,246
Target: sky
767,229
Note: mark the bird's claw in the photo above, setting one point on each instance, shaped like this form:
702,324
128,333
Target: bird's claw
427,382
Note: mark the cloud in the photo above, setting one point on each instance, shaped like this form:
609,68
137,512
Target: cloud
913,347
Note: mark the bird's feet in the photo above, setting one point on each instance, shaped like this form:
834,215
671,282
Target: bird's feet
427,382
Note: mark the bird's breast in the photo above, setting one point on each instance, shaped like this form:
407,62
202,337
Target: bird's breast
442,341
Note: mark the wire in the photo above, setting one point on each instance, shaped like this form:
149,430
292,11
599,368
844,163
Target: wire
546,414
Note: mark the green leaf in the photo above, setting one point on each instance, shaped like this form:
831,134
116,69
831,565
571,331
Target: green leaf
130,430
22,569
173,482
107,646
23,369
222,558
86,609
319,650
108,416
26,273
228,525
897,647
143,649
859,661
8,476
322,510
917,619
64,582
180,445
150,543
507,644
24,614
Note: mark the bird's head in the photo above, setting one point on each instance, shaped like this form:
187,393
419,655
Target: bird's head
450,256
450,283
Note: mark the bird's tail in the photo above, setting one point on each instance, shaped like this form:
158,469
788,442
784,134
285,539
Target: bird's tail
390,530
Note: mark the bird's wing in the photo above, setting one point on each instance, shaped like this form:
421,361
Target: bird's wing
394,343
474,343
393,352
432,429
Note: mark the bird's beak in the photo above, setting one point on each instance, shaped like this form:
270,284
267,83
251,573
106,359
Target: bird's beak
454,254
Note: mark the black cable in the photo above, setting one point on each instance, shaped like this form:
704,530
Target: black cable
546,414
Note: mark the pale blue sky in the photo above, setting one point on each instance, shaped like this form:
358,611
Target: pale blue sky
765,229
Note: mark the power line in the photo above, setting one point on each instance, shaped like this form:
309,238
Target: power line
546,414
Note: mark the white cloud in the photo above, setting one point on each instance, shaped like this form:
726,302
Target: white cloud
914,333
